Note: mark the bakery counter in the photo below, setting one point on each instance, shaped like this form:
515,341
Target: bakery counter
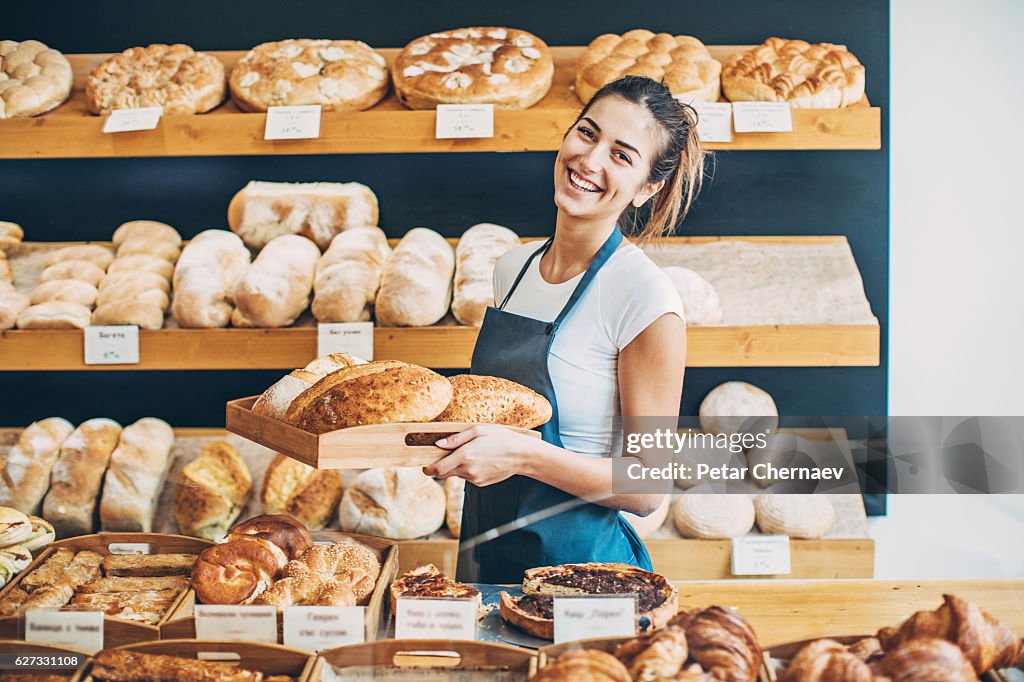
70,131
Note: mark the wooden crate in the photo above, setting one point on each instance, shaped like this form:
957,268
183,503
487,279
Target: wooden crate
271,659
70,131
181,623
357,447
492,661
116,632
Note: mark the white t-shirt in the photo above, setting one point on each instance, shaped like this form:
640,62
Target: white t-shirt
625,297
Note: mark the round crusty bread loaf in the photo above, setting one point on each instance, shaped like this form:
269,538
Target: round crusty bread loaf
455,497
396,503
72,290
479,248
493,400
713,517
416,287
584,664
700,300
798,516
82,270
645,526
148,229
738,407
382,392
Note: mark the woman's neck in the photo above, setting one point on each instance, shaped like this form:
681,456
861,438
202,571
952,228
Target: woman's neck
575,244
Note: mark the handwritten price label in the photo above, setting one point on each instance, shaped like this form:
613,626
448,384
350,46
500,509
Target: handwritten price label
464,121
323,627
590,616
761,555
762,117
435,618
127,120
714,121
354,338
113,345
236,623
293,123
77,629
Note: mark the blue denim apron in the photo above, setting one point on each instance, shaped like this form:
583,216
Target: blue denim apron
522,523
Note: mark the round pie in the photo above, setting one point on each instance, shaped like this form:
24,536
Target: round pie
509,68
174,77
33,78
339,75
821,76
681,62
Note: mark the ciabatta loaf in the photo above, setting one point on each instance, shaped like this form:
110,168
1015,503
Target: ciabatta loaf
478,250
205,279
416,287
315,210
25,469
275,289
136,475
348,275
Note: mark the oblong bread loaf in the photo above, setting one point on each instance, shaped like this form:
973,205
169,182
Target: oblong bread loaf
150,246
493,400
144,262
713,517
25,468
309,495
139,279
130,293
97,255
382,392
478,250
73,290
150,229
140,313
82,270
798,516
55,315
416,287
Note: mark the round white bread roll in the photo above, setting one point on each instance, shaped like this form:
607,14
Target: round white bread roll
713,517
455,493
737,407
646,526
397,503
700,300
148,229
798,516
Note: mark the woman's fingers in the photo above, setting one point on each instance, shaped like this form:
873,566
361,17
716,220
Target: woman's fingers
458,439
445,467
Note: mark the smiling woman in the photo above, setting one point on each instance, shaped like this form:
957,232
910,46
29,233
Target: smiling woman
587,316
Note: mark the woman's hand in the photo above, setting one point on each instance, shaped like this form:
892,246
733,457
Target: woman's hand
483,455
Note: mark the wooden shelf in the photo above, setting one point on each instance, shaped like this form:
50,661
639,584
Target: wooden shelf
70,131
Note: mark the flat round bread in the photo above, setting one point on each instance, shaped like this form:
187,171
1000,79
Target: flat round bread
509,68
713,517
798,516
174,77
339,75
682,63
33,78
820,76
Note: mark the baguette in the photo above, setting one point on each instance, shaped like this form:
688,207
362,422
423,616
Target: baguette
348,275
275,289
72,290
212,491
25,469
82,270
55,315
147,229
478,250
261,211
97,255
77,476
136,475
416,286
12,303
205,278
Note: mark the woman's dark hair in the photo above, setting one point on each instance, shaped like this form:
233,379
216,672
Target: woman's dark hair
680,161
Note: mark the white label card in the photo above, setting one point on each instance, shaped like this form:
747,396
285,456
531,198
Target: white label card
314,628
112,345
435,618
464,121
77,629
293,123
589,616
714,121
354,338
128,120
236,623
762,117
761,555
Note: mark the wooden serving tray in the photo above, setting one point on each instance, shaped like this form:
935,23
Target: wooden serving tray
271,659
116,631
180,623
452,660
357,447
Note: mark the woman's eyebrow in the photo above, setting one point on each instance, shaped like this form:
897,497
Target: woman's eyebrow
618,142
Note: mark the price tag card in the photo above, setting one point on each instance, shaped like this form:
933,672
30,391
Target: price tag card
594,615
323,627
435,618
354,338
113,345
236,623
76,629
127,120
761,555
293,123
714,121
463,121
762,117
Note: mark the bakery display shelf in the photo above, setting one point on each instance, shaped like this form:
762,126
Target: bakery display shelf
70,131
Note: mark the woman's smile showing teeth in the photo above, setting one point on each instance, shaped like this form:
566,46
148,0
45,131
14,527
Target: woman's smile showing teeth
581,183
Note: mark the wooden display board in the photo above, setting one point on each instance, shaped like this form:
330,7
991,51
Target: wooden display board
70,131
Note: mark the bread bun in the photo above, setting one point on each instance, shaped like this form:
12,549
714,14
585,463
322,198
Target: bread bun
233,572
396,503
280,529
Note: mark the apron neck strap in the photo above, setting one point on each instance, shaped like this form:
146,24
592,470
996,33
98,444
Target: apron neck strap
519,277
603,254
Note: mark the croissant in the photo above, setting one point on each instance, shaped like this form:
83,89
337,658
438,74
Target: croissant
693,674
826,660
585,665
722,642
659,656
925,660
986,642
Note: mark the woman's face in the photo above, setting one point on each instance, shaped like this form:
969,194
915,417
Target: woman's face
604,162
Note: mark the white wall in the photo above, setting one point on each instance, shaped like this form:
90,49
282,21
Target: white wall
956,320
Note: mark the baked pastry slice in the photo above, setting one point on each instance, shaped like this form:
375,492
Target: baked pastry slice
429,581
